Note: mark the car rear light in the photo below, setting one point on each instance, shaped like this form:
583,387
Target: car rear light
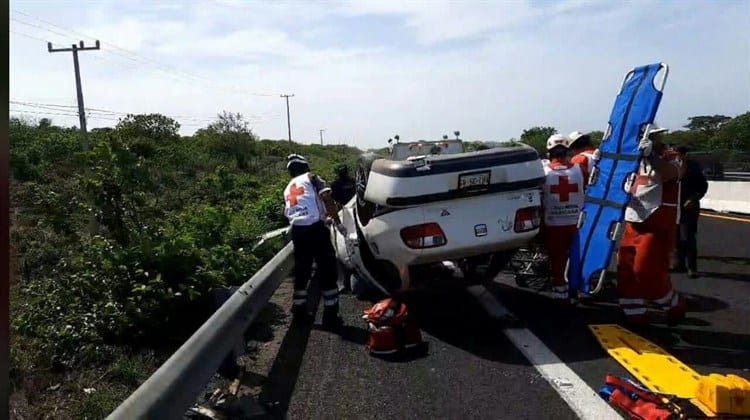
527,218
427,235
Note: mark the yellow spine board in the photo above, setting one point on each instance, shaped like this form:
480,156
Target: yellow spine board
649,363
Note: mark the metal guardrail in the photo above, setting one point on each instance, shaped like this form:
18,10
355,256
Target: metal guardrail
737,175
175,386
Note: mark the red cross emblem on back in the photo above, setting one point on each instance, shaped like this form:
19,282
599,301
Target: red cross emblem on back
563,188
294,193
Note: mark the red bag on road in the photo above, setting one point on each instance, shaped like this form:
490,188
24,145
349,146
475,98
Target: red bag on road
390,328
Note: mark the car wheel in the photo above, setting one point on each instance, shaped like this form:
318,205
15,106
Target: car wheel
365,209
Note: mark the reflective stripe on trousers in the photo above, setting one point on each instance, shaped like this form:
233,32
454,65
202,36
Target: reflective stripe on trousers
633,306
331,297
300,297
560,292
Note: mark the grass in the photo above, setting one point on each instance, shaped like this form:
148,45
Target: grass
90,393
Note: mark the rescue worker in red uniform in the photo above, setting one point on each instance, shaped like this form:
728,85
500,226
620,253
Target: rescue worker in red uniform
583,152
307,202
651,220
562,202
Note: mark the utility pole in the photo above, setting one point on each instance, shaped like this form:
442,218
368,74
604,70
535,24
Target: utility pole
81,110
288,122
321,135
79,91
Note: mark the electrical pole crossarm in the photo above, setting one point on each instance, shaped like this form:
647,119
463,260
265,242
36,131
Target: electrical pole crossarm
79,47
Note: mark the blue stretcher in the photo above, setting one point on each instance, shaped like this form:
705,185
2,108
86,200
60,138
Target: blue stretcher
606,195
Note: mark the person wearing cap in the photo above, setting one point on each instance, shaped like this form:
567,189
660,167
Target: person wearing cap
693,186
561,203
583,152
307,202
651,219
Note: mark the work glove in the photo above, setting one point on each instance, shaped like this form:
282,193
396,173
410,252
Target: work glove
647,146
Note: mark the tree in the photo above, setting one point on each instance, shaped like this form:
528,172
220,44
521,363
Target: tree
153,126
45,123
734,135
695,140
229,123
231,136
536,137
707,124
596,137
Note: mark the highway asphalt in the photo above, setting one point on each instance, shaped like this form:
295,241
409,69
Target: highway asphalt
471,370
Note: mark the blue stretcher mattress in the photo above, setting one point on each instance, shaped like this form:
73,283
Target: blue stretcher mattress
604,206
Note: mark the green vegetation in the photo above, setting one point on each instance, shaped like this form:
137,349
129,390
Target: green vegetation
175,217
727,138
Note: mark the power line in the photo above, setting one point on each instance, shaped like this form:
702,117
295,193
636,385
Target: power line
197,118
128,54
27,35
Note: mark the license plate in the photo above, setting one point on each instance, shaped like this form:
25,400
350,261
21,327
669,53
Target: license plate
474,180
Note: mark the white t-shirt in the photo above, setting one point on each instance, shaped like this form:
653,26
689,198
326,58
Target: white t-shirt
563,194
302,204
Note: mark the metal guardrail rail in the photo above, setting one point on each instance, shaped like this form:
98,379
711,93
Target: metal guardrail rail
175,386
737,175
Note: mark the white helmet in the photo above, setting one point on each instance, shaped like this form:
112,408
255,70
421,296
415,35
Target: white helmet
575,136
557,140
655,128
294,158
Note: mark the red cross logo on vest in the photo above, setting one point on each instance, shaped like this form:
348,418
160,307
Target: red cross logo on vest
563,189
294,193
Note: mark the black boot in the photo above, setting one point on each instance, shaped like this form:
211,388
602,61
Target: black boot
301,315
331,319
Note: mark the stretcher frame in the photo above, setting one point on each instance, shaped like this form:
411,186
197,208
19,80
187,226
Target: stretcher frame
594,283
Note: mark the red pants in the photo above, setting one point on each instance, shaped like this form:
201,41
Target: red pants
643,262
557,240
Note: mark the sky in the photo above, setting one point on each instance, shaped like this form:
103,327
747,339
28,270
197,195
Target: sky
367,70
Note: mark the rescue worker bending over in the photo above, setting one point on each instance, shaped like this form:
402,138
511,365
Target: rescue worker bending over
343,187
307,201
651,220
562,202
583,153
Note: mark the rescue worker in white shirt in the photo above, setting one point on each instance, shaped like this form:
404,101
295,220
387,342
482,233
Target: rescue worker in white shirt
562,202
307,202
583,152
650,232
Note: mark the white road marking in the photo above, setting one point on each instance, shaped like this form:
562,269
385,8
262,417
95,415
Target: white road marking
583,400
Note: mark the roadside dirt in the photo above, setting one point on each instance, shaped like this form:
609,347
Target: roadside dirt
266,338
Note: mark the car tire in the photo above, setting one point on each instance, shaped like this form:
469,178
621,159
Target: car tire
365,209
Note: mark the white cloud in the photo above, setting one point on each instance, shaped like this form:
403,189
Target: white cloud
510,65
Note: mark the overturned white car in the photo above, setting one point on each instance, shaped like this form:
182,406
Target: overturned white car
430,202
